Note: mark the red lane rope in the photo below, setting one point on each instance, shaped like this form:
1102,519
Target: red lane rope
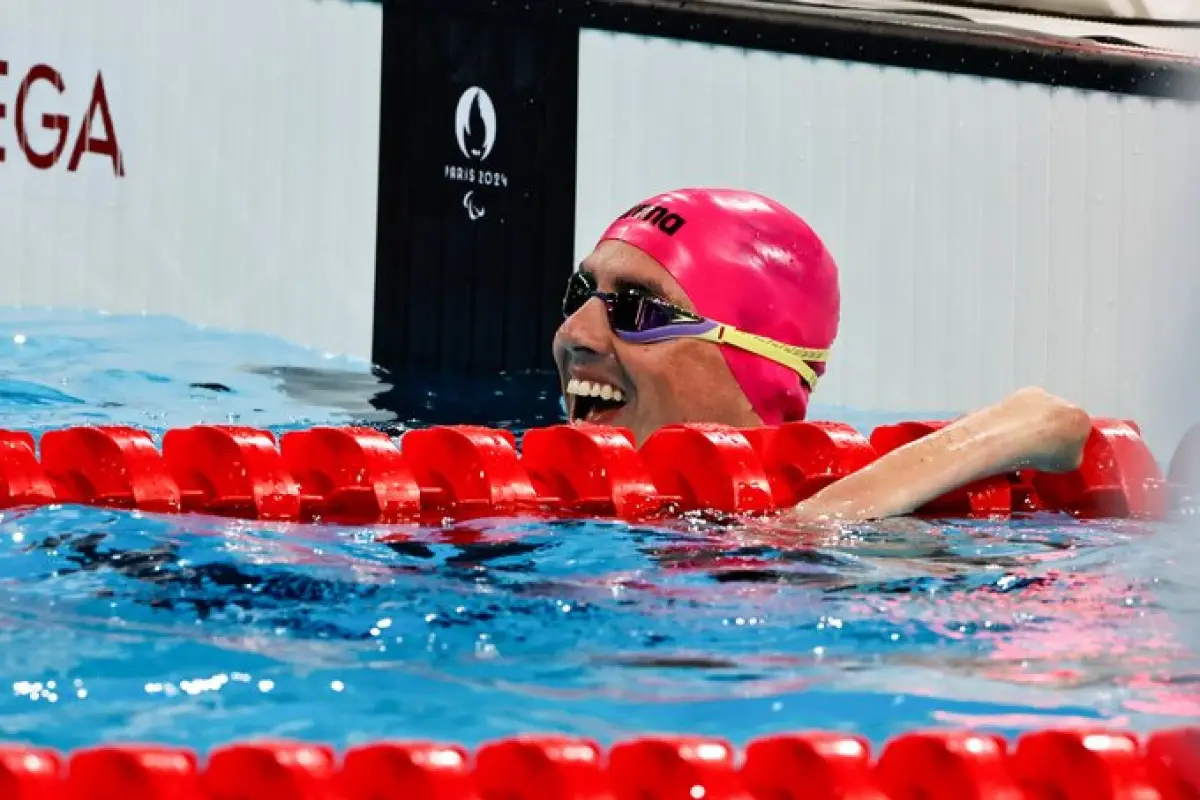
363,476
1061,764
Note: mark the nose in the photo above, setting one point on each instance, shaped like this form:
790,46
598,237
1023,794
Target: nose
586,332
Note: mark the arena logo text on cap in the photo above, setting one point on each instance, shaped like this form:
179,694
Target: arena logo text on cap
659,216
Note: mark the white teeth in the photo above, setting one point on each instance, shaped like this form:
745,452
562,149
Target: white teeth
595,389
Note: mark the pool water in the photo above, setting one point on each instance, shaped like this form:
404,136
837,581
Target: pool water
119,626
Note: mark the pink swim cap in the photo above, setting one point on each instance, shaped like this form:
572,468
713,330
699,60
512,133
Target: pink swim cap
746,261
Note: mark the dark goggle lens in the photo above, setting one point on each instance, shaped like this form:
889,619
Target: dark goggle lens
579,291
630,311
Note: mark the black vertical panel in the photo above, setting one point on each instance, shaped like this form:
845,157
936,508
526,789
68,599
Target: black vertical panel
417,339
477,185
558,201
392,319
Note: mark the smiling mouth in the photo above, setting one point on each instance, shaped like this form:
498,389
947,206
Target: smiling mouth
594,401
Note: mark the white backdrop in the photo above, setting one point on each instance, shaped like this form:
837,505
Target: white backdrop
989,234
250,138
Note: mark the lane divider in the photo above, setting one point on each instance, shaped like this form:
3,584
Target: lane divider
363,476
932,765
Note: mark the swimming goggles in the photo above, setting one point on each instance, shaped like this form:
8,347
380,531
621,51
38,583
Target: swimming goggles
641,318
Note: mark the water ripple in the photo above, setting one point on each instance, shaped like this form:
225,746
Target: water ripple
129,626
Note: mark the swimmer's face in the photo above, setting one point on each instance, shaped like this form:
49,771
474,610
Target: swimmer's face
647,385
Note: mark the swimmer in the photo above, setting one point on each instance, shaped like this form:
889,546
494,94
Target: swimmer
719,306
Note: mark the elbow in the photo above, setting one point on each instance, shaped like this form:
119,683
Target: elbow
1072,426
1064,428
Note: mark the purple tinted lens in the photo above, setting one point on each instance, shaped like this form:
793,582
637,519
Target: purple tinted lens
653,315
633,312
637,312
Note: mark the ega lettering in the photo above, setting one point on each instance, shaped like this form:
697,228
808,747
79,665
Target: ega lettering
97,112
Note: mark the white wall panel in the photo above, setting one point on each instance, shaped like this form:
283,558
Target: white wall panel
250,136
990,234
1119,20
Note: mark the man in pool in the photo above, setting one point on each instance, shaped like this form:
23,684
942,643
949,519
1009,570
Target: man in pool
706,305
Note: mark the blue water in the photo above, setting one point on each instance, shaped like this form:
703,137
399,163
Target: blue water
196,631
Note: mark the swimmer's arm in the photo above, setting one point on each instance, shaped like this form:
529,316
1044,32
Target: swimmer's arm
1028,429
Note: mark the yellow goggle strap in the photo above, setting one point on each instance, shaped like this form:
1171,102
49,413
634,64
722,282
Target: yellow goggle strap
793,358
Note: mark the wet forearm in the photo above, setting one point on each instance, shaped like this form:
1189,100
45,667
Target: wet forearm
1027,429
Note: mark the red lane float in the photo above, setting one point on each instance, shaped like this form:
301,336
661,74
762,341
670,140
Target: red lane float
1061,764
672,767
403,770
590,469
468,468
531,767
113,466
1173,759
363,476
23,482
1118,477
30,773
705,466
231,470
272,769
946,766
834,766
350,475
1024,494
108,772
1082,765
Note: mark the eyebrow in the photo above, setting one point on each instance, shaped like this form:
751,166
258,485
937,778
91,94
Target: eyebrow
650,286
